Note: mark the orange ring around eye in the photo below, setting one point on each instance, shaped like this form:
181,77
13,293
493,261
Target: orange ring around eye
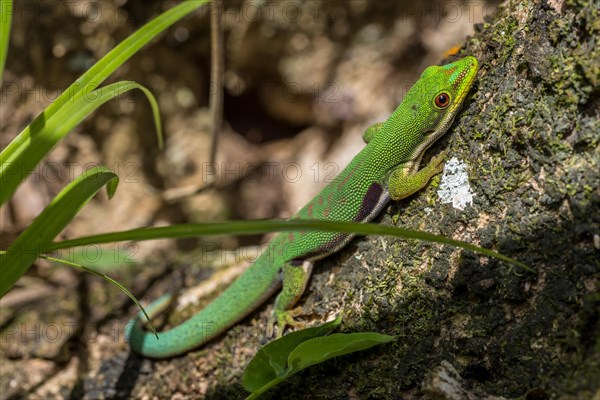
442,100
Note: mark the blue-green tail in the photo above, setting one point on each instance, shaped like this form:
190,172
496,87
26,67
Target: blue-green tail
243,296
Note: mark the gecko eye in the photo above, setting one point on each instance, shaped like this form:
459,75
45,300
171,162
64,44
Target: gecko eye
442,100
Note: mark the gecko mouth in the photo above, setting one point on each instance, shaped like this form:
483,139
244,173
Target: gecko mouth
466,84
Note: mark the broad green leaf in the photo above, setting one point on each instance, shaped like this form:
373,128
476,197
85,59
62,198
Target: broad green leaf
318,350
254,227
43,137
5,20
314,348
12,167
270,362
52,220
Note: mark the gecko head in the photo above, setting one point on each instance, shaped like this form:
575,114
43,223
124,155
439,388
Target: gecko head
430,106
443,89
440,93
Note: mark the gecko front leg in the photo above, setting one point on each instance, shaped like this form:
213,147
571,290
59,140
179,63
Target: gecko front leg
294,281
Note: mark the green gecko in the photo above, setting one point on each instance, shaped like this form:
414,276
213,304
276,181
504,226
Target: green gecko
387,168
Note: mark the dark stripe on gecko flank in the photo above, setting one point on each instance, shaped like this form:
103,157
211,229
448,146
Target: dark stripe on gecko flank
369,202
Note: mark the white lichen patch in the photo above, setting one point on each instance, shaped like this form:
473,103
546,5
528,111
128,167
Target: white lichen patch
454,187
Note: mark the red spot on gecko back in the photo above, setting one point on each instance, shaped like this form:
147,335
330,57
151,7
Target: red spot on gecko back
348,176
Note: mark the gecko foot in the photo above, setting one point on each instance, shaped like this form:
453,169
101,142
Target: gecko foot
280,320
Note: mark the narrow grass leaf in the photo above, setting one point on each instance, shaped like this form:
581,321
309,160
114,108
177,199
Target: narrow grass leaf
42,138
94,76
255,227
33,241
5,21
106,278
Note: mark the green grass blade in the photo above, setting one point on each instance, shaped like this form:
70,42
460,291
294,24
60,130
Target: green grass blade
109,280
5,20
62,209
42,138
255,227
93,77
